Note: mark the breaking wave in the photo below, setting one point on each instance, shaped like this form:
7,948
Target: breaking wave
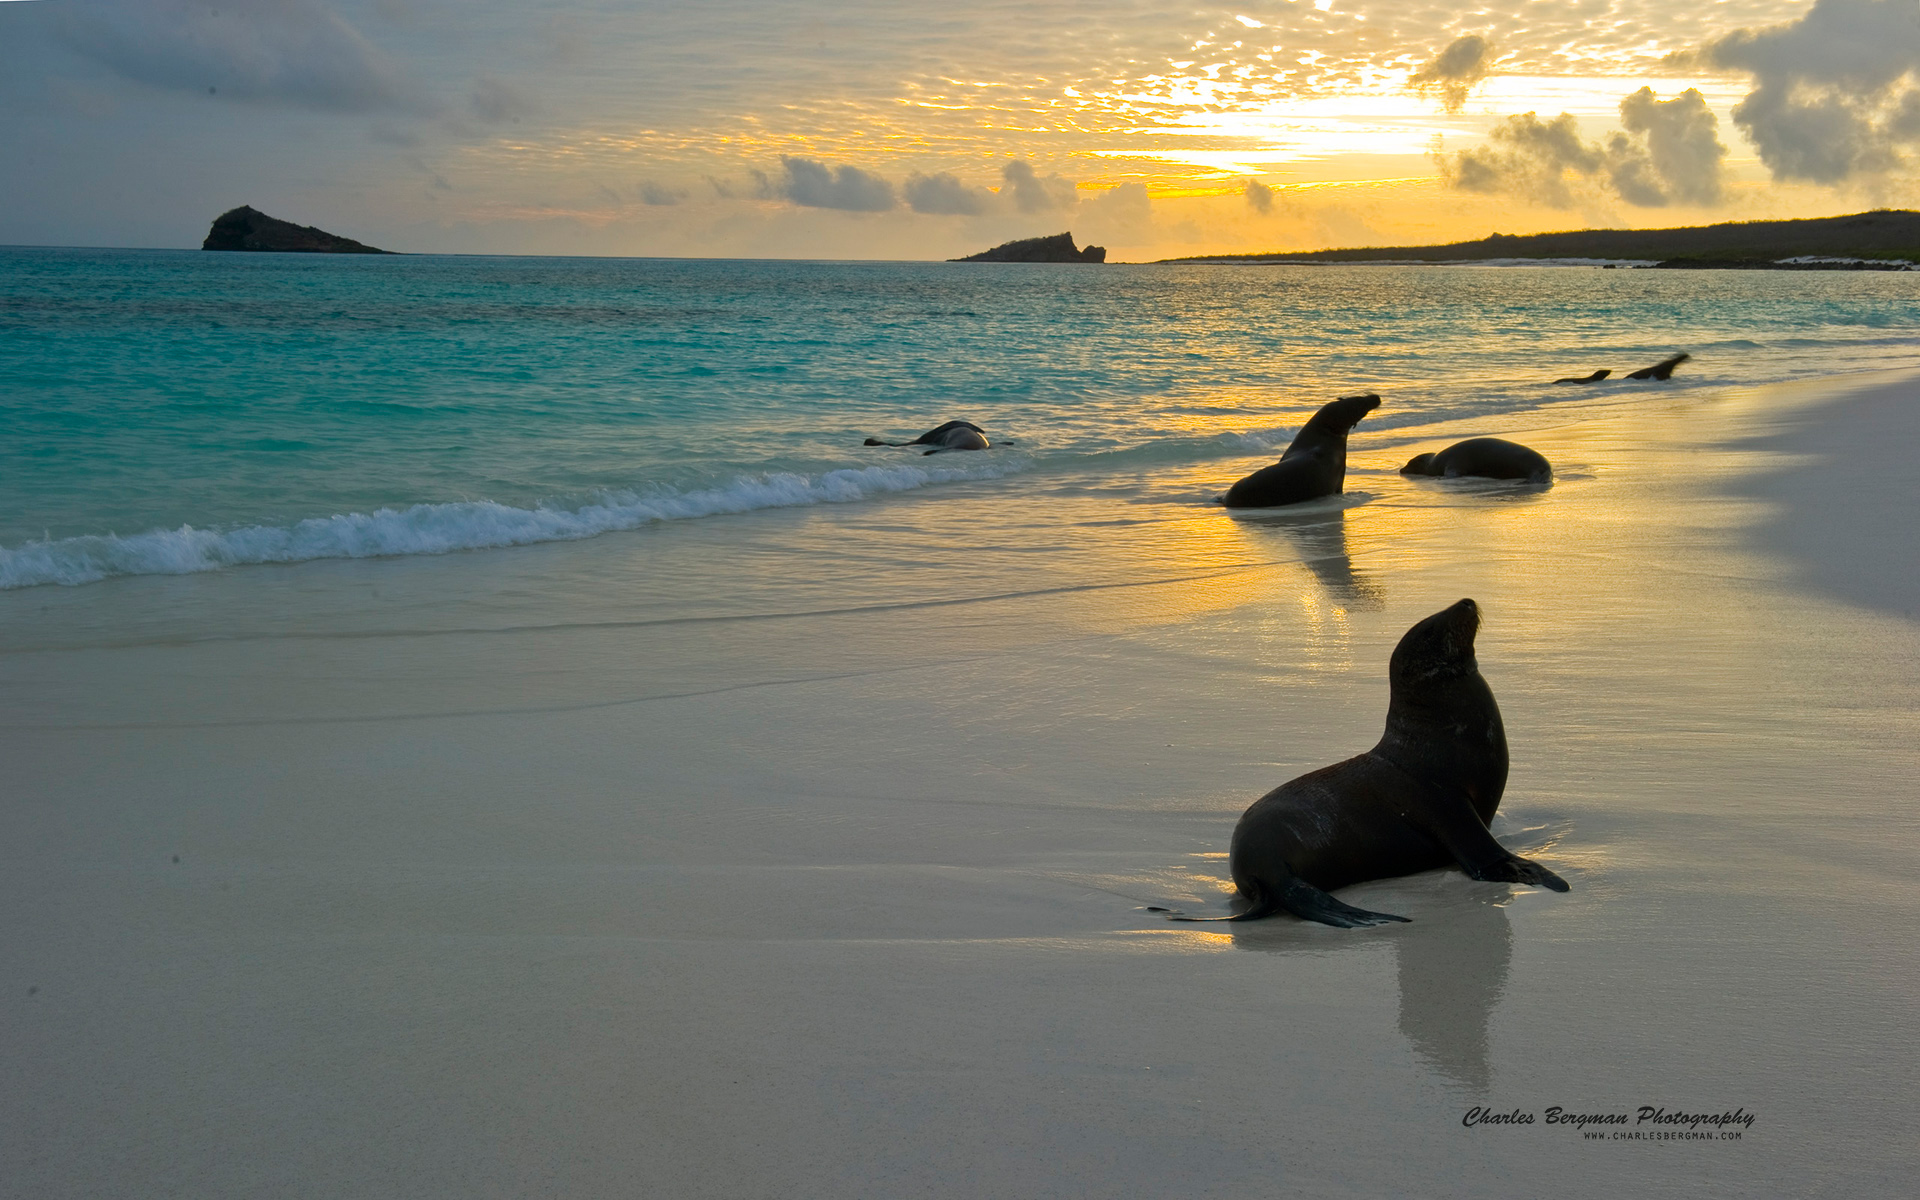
444,528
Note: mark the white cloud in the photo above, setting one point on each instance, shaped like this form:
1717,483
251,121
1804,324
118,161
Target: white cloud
1526,157
1834,92
291,53
1032,192
1453,72
944,194
813,184
1682,148
496,101
655,196
1670,152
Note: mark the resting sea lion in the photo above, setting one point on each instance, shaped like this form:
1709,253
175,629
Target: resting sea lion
1596,377
1492,458
1660,370
1315,463
954,435
1419,799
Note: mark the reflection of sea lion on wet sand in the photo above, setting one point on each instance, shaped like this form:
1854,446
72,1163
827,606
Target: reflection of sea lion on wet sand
1420,799
1489,458
954,435
1320,540
1660,370
1315,462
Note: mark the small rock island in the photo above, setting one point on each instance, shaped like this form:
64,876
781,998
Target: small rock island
247,228
1056,249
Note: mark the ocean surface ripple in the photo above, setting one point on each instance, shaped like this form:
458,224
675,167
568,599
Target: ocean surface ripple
171,411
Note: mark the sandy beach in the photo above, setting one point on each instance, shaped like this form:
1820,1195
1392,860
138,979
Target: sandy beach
417,877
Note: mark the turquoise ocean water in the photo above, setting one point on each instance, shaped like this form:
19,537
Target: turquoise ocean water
169,412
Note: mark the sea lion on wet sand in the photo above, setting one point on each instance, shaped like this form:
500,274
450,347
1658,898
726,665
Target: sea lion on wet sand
954,435
1596,377
1315,462
1660,370
1490,458
1418,800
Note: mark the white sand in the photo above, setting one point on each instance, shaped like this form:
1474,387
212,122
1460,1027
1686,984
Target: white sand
850,904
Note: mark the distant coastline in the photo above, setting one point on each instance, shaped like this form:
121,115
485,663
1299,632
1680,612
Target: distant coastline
1882,240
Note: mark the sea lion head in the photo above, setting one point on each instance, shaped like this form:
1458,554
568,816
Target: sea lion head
1337,416
1420,464
1440,647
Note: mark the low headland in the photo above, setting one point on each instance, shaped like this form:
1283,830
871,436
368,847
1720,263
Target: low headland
247,228
1056,249
1882,240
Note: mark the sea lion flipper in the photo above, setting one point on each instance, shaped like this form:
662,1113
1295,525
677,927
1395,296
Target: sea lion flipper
1308,902
1449,819
1514,869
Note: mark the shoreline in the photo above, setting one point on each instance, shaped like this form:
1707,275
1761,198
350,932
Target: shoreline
466,874
1606,264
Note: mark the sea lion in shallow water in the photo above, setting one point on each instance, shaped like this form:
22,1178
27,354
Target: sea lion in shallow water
1315,462
1660,370
1596,377
1418,800
954,435
1489,458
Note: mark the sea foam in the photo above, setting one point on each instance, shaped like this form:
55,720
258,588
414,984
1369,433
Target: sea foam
444,528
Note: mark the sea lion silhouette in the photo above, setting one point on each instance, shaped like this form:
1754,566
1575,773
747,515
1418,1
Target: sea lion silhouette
954,435
1315,462
1487,457
1660,370
1420,799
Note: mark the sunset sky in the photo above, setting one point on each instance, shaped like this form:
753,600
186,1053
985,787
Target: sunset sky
914,129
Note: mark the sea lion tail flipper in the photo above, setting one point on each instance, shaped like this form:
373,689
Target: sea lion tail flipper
1265,908
1309,903
1303,900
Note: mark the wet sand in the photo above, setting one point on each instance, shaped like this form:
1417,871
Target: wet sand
489,888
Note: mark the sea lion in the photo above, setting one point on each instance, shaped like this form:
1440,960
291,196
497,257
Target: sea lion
1596,377
954,435
1660,370
1491,458
1419,799
1315,462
